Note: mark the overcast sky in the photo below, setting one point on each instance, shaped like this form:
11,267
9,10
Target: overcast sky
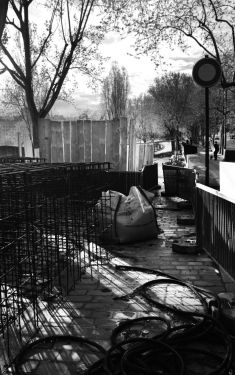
141,71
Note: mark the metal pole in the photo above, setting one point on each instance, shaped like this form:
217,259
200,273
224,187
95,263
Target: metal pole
225,118
207,136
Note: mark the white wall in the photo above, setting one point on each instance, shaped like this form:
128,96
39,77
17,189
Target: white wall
227,178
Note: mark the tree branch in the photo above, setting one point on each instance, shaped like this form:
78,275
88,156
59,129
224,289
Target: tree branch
17,68
17,11
210,33
63,67
61,21
69,22
8,22
14,75
51,88
223,21
48,36
85,13
204,11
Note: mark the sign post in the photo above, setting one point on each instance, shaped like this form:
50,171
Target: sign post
207,123
206,73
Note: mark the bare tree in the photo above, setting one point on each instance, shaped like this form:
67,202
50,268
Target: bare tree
172,94
142,110
46,52
115,92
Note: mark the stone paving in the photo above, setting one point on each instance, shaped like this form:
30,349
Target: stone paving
94,307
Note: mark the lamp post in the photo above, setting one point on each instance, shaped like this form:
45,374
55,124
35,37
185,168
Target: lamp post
206,73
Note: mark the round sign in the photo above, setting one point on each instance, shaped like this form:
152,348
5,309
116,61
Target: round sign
206,72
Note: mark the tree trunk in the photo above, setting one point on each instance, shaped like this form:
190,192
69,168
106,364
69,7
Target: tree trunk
3,14
35,137
35,131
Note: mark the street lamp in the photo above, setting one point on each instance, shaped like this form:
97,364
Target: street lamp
206,73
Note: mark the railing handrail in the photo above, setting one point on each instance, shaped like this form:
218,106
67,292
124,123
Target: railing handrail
215,192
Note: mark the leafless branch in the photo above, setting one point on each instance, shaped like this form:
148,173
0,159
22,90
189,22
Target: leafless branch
223,21
47,37
204,11
14,74
53,82
69,21
8,22
61,21
17,11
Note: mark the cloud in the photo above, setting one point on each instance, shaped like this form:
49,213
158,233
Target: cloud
141,70
111,39
184,58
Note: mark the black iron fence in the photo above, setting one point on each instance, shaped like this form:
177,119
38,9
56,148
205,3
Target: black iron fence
216,226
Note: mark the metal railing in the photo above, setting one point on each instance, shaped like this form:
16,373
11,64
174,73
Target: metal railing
215,223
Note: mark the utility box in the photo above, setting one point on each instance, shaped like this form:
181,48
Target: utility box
229,155
189,149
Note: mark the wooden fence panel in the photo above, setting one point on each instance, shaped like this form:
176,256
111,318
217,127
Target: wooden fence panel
87,140
131,142
142,150
56,142
115,143
44,132
98,141
66,140
74,143
108,141
80,141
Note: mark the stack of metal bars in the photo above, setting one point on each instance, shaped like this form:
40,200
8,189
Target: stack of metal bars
49,233
18,246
